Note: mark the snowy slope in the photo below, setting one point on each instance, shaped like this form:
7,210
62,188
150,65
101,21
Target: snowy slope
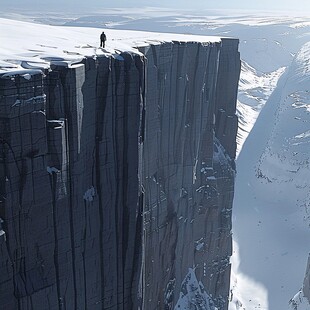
299,302
271,207
68,45
255,87
267,42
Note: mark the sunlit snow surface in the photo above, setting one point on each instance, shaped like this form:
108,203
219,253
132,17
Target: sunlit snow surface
255,87
271,207
271,210
26,46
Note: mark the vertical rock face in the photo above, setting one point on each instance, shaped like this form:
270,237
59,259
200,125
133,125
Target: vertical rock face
116,181
187,174
306,286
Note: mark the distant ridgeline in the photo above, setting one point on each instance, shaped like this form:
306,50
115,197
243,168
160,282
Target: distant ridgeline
117,180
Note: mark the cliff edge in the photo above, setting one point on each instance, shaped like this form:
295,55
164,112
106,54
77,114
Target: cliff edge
117,177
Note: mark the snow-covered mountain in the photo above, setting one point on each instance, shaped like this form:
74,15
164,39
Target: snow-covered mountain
271,210
271,207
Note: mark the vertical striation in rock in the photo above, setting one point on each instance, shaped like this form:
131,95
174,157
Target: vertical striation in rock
306,286
116,180
187,174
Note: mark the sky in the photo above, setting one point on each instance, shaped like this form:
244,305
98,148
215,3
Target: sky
91,5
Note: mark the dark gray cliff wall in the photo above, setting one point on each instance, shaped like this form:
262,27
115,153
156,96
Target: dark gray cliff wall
187,175
114,180
70,200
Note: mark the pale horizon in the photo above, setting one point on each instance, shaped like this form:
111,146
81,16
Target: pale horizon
92,6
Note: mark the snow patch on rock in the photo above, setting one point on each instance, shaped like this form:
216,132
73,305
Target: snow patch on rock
299,302
193,295
89,194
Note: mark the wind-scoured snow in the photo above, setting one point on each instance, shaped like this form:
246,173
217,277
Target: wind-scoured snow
27,46
267,41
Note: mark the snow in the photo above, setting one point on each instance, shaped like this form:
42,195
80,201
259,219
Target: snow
246,293
271,206
300,25
267,41
271,213
89,194
22,102
299,302
193,295
69,45
199,244
255,87
52,170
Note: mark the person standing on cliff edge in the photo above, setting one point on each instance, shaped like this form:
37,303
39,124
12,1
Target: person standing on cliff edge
103,38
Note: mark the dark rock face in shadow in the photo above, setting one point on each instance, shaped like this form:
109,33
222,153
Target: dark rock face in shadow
116,180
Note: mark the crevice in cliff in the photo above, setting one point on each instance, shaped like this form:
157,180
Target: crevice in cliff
69,145
103,75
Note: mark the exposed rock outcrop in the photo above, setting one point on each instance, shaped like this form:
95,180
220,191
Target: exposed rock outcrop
116,178
306,286
301,301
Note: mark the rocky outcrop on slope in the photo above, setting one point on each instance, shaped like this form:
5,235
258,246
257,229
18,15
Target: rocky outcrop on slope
116,180
301,301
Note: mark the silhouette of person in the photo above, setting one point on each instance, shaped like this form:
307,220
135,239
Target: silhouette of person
103,38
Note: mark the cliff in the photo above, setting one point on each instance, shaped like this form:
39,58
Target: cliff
117,178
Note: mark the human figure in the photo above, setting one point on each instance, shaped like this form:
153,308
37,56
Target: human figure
103,38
